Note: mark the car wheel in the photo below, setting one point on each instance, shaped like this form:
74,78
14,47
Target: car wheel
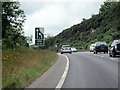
113,54
96,52
70,52
61,53
110,55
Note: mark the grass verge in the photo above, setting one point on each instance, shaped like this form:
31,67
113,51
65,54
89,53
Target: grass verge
20,68
83,51
0,68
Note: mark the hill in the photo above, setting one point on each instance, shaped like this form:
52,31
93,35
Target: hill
104,26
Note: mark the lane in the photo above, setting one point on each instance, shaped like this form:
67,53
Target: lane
91,71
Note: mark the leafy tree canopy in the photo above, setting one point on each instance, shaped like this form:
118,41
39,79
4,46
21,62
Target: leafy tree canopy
12,25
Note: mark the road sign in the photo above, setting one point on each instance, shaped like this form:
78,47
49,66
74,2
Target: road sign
39,36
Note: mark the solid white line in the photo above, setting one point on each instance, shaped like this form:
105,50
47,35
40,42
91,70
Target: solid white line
59,85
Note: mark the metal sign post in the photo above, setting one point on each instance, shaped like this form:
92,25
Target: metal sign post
39,36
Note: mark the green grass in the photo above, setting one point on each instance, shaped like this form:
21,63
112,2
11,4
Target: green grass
21,67
0,68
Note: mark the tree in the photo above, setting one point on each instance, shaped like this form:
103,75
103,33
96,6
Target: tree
29,39
106,7
12,24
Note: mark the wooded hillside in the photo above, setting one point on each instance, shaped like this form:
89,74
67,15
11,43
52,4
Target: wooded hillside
104,26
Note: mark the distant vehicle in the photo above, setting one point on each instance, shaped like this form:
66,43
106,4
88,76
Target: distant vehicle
66,49
92,46
114,48
73,49
100,47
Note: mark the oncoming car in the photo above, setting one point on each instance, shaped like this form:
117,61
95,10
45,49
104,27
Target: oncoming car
73,49
66,49
92,46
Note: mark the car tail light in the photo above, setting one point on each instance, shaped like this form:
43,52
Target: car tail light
96,47
113,50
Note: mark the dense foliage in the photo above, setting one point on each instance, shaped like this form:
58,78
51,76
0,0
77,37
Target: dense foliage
104,26
12,25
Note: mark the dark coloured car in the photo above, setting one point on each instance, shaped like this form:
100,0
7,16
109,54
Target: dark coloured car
114,48
100,47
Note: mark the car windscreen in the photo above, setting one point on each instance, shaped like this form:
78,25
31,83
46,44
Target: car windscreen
65,46
92,45
73,49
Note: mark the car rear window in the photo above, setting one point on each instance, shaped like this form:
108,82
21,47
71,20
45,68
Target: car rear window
118,41
118,46
100,43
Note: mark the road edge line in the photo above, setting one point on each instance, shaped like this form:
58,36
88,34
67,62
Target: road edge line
63,77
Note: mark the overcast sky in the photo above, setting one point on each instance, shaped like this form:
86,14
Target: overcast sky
56,16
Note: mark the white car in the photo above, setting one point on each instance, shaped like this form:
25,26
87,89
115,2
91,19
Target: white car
66,49
92,46
73,49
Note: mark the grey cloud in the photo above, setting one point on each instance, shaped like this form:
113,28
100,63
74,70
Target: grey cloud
31,7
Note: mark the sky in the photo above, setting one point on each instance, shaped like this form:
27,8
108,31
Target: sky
56,15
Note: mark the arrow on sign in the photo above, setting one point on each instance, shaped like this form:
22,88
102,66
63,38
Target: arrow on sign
37,33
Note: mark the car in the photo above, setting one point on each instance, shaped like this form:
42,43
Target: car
92,46
66,49
73,49
100,47
114,48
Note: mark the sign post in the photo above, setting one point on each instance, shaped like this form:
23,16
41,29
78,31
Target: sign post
39,36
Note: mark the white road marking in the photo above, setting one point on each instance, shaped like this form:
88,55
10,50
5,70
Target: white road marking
102,56
59,85
115,59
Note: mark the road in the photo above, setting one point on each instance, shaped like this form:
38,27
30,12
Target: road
52,76
88,70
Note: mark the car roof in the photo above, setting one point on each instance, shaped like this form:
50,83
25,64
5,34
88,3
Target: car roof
100,41
93,44
65,45
117,40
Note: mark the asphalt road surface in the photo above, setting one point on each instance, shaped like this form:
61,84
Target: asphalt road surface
88,70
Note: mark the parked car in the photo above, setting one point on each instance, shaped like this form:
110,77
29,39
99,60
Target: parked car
114,48
100,47
73,49
92,46
66,49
